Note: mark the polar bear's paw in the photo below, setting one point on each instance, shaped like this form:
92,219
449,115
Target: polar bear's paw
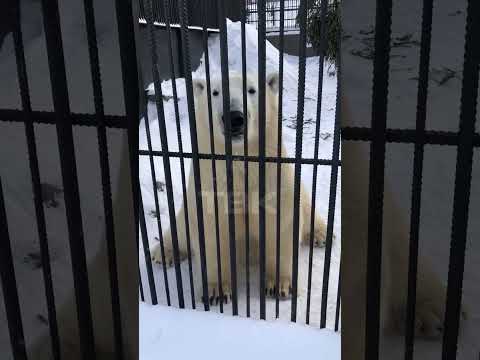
169,258
284,291
319,235
429,319
217,295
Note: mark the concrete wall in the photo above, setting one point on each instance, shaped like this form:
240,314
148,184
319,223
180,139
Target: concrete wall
291,44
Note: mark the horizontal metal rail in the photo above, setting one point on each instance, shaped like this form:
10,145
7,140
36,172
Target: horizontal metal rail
250,158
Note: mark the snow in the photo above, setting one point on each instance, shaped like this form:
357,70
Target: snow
290,89
212,336
438,179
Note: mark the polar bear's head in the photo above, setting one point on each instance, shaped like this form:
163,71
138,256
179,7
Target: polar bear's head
241,122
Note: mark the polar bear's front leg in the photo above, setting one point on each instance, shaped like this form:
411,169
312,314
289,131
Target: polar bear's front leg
284,263
217,256
166,255
319,224
286,213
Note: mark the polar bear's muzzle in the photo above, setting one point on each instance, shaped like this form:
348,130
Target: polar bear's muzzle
237,119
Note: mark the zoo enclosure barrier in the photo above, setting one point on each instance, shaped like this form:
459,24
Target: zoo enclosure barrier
150,19
65,121
378,135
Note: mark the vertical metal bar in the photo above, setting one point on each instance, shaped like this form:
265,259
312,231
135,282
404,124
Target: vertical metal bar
337,307
298,153
279,155
214,167
142,295
183,12
332,196
181,60
58,78
127,37
166,10
166,158
417,175
245,152
376,175
37,190
261,148
156,12
9,287
148,260
143,226
463,175
105,171
141,9
228,153
315,152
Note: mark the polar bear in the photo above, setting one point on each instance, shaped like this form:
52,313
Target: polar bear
243,125
430,290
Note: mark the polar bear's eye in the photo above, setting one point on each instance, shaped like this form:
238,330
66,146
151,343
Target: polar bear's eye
251,91
215,93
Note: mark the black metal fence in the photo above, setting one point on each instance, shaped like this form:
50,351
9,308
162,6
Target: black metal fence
65,121
273,14
378,135
227,160
135,105
465,140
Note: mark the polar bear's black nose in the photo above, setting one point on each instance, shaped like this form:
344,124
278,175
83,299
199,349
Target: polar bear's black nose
238,121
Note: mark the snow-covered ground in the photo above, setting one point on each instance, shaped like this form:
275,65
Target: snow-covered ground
228,337
290,89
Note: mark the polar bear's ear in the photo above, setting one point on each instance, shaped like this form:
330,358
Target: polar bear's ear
199,85
273,82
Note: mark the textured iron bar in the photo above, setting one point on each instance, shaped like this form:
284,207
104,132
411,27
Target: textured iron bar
36,187
403,136
321,62
376,175
463,177
9,287
332,196
279,155
142,295
130,76
183,12
250,158
180,52
105,174
228,153
214,165
48,117
421,115
148,260
145,241
141,14
407,136
261,149
298,154
166,10
58,79
245,152
166,158
155,14
337,307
